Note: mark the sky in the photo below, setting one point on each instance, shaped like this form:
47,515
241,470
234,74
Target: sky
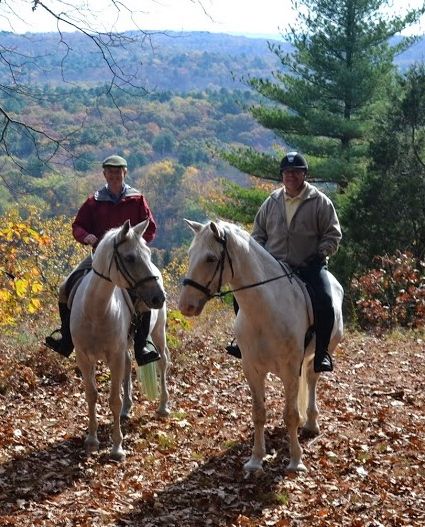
250,17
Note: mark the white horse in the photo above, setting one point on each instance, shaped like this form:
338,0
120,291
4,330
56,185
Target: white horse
270,326
100,321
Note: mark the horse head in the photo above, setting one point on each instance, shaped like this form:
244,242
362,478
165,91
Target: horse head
210,266
124,259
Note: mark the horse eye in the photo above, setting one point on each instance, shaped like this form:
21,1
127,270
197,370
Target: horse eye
130,258
211,258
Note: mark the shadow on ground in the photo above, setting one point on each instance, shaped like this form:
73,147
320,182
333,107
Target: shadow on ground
218,492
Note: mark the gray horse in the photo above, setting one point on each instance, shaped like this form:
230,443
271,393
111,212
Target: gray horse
270,327
100,321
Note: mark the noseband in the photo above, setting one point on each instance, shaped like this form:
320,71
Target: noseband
220,269
119,262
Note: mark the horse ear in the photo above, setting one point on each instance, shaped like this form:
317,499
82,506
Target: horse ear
194,225
218,233
124,231
141,227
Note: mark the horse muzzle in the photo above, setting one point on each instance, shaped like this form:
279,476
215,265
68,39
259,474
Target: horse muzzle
153,296
191,307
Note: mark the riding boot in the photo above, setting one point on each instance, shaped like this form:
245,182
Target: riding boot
234,350
143,354
62,345
322,361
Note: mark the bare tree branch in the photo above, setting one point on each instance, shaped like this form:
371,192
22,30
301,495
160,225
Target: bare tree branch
71,18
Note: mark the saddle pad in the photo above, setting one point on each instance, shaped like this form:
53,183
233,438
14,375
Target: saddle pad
307,298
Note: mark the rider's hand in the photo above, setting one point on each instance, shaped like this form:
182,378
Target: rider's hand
90,239
316,259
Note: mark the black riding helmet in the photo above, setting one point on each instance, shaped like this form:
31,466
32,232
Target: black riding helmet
293,160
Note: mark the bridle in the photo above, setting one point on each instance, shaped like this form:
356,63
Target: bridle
119,262
220,269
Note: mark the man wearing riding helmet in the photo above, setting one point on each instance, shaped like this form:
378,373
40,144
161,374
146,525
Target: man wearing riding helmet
109,207
298,225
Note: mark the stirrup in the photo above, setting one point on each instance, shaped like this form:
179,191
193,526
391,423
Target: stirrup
146,356
234,350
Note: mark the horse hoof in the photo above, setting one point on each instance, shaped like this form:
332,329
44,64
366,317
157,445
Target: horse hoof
163,411
253,467
118,454
91,445
298,467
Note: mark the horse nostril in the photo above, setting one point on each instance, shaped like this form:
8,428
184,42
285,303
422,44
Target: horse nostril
158,301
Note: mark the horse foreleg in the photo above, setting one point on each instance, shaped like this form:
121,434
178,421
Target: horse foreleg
311,426
115,404
292,421
127,389
91,442
256,385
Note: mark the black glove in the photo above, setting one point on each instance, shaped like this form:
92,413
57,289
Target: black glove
316,259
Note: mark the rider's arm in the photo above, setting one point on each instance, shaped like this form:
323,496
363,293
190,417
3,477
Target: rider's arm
81,227
146,212
330,229
259,230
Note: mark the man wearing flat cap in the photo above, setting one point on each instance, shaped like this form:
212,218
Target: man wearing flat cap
108,207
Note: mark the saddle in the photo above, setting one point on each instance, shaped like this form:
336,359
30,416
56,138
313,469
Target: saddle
72,284
308,296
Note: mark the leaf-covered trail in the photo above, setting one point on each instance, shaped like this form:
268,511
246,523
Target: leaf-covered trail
366,468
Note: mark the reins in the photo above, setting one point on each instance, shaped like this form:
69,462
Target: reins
220,268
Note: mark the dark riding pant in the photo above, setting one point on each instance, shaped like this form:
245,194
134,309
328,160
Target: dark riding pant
317,278
140,322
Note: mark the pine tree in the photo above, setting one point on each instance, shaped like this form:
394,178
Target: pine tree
322,101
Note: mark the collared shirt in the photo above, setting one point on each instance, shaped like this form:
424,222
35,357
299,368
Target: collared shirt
292,203
115,197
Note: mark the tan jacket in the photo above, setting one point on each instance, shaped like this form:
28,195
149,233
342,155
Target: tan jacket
314,227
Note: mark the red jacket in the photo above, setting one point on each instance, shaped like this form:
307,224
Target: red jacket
99,213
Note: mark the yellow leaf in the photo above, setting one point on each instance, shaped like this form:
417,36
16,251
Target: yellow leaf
36,287
5,295
34,305
21,287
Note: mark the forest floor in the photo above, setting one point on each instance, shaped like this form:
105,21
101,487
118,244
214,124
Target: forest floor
365,469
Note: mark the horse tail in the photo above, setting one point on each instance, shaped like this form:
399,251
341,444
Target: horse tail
303,394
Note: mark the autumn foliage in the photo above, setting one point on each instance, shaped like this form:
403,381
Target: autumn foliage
392,294
364,467
35,254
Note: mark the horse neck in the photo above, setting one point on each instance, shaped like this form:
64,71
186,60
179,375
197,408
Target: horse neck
99,292
252,264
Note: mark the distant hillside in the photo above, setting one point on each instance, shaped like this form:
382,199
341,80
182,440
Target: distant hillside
177,62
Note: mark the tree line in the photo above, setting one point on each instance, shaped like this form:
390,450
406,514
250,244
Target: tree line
336,95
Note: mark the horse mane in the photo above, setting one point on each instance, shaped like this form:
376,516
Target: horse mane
105,248
243,239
